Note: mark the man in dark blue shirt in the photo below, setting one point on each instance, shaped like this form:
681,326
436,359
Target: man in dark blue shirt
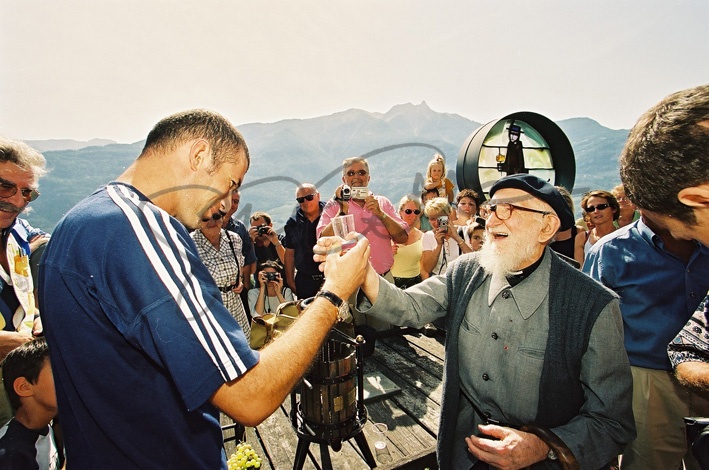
302,273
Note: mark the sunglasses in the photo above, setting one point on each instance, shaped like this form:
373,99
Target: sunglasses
8,189
351,173
302,199
410,211
600,207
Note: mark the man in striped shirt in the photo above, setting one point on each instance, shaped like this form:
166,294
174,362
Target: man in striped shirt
144,353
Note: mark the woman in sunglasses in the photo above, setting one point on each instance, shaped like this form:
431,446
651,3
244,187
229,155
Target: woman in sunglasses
407,256
601,208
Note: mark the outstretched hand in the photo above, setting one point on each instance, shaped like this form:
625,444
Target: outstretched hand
514,449
343,273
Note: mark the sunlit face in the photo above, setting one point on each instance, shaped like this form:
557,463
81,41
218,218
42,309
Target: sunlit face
433,218
436,172
626,205
309,206
356,175
477,238
210,193
11,207
467,206
599,216
514,243
680,230
410,218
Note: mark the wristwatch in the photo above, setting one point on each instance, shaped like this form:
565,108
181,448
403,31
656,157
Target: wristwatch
343,309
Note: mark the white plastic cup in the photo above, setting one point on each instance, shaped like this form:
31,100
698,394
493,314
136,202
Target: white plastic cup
380,443
343,225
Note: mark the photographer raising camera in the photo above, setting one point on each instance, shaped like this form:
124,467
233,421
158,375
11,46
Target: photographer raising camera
269,292
442,244
268,245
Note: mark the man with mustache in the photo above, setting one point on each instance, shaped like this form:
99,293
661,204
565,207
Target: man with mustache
20,169
530,340
144,353
375,217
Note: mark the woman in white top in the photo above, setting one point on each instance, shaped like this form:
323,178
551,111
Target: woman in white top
269,292
443,244
407,256
602,209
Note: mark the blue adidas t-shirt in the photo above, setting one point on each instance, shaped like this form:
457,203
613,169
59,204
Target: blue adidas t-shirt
139,337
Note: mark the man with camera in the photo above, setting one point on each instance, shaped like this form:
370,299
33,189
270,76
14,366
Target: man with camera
375,216
443,243
534,351
268,245
665,173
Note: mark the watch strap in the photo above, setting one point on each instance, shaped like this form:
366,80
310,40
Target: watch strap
333,298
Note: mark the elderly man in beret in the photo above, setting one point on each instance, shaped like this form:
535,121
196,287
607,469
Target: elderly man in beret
534,354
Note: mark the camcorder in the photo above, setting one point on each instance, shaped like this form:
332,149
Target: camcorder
271,276
443,222
354,193
263,229
698,439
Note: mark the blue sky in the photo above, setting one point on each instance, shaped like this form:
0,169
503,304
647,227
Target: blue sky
110,69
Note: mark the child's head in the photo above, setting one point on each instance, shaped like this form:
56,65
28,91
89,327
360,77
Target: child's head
476,235
436,170
27,373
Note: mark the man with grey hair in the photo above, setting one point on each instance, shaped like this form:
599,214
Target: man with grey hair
20,169
302,273
375,217
534,351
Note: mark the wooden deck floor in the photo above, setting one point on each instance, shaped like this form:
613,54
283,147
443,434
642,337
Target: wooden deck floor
415,364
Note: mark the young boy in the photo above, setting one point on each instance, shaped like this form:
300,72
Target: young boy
27,440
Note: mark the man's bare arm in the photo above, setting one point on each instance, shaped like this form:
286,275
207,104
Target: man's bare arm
254,396
693,374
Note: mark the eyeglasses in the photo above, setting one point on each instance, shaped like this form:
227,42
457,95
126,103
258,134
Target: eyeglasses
351,173
600,207
302,199
8,189
410,211
504,211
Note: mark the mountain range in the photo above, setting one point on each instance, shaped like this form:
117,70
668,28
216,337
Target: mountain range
398,145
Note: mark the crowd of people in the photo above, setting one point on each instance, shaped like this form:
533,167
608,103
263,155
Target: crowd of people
571,339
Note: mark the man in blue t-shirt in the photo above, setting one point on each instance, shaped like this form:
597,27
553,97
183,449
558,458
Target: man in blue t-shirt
144,353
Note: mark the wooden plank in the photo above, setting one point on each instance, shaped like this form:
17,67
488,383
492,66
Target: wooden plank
405,436
280,440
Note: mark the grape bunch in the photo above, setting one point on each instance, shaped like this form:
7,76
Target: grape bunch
245,457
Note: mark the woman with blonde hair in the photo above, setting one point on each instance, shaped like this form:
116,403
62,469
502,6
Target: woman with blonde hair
407,256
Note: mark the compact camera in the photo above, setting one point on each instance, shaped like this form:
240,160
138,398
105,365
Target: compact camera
263,229
354,192
271,276
443,222
359,192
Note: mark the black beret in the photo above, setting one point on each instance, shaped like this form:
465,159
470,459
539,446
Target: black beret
540,189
